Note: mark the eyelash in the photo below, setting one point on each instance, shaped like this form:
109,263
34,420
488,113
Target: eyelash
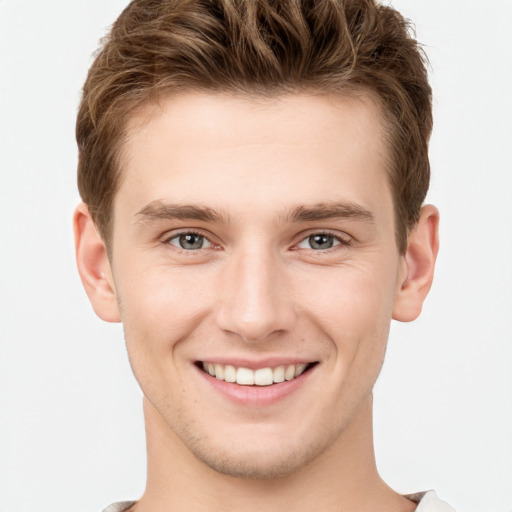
177,235
341,241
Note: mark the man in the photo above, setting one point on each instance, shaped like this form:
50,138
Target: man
253,176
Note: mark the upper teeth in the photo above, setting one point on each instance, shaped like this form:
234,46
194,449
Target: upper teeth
260,377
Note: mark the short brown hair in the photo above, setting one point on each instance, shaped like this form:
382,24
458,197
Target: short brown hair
159,47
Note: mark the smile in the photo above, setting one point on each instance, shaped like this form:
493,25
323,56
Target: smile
259,377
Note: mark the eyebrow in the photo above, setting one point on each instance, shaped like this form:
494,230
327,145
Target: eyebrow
327,211
159,210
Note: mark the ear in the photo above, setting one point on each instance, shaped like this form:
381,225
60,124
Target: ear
418,264
94,266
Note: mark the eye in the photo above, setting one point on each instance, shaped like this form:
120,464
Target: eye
189,241
321,242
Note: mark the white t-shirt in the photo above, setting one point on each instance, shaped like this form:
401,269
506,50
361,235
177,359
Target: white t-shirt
427,502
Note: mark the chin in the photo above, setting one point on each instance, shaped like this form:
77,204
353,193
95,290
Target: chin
255,469
259,463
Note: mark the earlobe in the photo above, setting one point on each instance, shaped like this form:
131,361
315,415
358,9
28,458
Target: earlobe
94,266
419,262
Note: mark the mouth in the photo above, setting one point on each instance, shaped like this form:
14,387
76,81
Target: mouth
267,376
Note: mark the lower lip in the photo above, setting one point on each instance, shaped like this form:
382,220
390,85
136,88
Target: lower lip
257,395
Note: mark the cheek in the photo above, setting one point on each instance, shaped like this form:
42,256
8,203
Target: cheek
353,308
355,296
160,307
162,300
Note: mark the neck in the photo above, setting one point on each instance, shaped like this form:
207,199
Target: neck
344,477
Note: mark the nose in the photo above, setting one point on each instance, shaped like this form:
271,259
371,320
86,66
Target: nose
254,299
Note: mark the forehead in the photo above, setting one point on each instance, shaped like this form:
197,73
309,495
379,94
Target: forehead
238,118
224,150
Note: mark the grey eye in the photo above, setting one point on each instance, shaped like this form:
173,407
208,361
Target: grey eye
321,241
189,241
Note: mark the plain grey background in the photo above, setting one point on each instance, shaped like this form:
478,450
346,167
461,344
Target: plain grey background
71,429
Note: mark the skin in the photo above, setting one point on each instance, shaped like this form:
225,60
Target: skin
258,290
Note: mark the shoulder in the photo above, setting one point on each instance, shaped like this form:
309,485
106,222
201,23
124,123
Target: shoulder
429,502
120,506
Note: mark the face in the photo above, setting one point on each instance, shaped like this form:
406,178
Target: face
256,270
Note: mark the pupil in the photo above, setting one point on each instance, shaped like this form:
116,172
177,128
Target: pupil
321,241
191,241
